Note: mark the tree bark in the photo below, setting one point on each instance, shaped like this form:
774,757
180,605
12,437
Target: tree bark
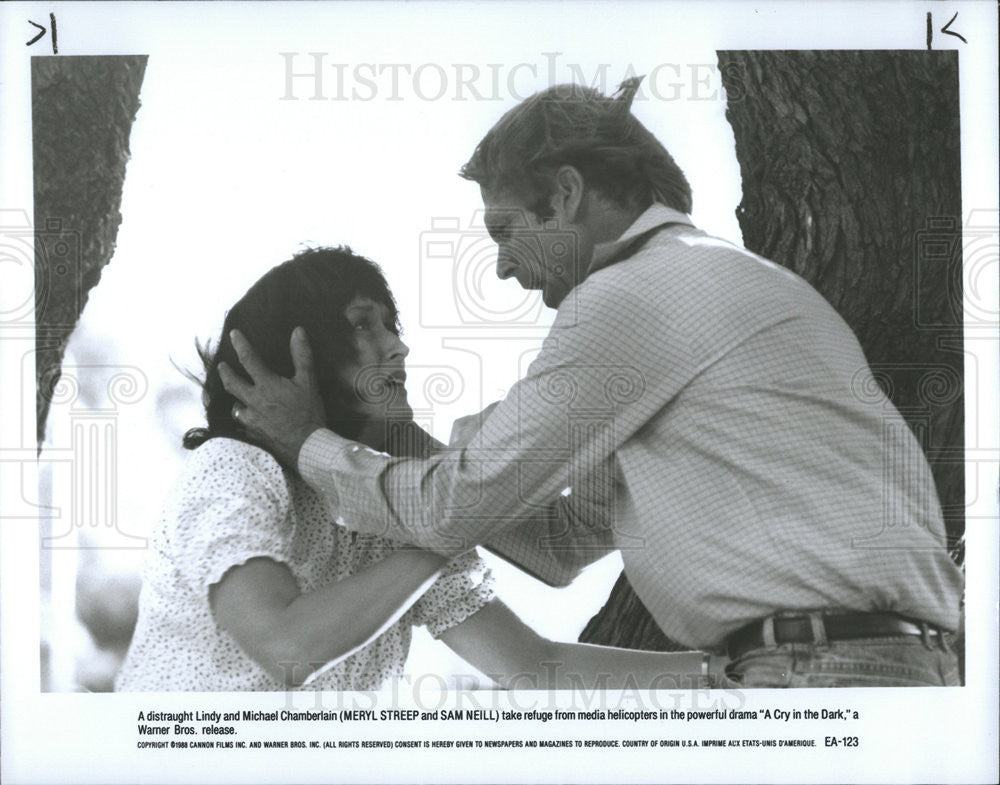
82,110
850,162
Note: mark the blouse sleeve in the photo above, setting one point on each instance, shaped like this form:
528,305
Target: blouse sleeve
464,586
233,504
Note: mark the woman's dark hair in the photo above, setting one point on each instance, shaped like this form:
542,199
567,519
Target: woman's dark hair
310,290
574,125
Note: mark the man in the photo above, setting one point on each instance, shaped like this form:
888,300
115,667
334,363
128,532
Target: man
767,499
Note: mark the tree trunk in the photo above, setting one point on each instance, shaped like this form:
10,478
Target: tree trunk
850,164
82,109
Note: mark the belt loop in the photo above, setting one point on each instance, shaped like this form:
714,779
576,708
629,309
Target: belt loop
818,629
925,635
943,641
767,633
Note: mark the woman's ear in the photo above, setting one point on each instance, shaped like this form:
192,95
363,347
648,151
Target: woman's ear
568,194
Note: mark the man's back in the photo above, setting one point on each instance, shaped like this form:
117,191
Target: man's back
773,474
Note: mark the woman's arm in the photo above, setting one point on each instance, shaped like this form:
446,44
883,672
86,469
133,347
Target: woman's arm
291,634
503,647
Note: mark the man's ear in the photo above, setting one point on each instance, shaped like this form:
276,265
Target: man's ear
568,194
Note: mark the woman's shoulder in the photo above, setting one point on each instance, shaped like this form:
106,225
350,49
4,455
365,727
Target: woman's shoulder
225,449
233,462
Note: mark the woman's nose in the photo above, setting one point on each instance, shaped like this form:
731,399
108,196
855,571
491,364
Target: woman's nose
397,348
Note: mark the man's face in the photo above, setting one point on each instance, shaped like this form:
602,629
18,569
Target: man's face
540,255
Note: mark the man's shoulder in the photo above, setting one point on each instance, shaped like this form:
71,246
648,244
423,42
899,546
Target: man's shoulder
683,247
682,282
681,261
667,262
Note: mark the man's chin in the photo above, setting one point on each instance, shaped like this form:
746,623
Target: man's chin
552,299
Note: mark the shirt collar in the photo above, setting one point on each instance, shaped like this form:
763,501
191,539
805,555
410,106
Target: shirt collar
655,215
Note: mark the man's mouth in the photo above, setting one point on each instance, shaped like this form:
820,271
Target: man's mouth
527,279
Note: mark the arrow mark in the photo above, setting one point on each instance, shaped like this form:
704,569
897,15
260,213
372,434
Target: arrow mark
950,32
37,37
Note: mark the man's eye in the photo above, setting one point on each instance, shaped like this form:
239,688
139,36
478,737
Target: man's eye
361,326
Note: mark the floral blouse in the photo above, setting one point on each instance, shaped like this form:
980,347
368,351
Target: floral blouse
232,503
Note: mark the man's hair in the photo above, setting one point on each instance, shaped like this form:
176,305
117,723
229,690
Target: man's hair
312,290
598,135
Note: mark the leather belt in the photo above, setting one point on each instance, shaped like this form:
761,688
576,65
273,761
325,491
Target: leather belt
838,627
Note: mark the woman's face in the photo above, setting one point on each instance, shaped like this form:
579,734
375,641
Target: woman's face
378,375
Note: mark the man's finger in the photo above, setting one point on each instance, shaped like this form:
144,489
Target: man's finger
256,369
235,386
302,358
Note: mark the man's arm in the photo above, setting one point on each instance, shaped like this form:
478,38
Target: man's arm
556,546
570,534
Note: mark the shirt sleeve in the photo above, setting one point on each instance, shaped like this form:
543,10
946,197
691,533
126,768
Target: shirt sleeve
556,546
233,505
590,389
464,586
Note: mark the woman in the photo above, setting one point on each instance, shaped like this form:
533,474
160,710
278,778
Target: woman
250,583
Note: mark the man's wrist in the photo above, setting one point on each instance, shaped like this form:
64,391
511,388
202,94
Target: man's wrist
317,453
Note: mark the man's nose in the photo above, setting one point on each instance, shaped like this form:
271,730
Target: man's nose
506,267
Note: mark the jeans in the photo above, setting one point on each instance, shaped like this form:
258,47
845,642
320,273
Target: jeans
897,661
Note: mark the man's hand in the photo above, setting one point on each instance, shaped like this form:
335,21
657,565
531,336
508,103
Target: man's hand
279,413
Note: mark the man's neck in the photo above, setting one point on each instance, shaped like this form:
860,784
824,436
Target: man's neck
610,220
605,222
